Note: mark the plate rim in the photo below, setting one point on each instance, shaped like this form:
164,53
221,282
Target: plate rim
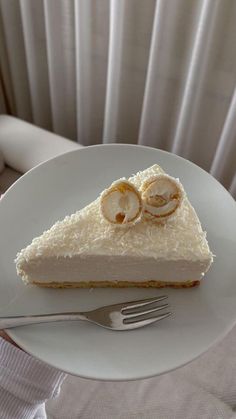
118,145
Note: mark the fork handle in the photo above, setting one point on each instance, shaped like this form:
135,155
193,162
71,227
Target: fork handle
14,321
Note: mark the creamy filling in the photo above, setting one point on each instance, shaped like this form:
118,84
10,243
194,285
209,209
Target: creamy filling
111,268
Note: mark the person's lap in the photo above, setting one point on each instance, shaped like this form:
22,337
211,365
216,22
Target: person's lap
204,389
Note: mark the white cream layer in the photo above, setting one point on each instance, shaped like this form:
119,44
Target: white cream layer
110,268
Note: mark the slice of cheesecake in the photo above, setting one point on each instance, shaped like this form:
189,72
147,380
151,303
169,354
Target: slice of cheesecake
86,250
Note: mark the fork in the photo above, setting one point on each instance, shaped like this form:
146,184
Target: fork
122,316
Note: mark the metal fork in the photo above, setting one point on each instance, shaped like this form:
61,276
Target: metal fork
122,316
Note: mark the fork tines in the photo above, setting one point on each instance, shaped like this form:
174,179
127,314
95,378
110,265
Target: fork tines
141,304
144,311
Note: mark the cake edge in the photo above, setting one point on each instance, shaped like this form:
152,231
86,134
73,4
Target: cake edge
117,284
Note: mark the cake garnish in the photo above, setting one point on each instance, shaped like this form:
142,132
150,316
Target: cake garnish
121,203
162,195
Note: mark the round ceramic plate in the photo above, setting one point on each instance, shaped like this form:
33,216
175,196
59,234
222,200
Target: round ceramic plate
202,316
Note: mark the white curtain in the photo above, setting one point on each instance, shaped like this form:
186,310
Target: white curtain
160,73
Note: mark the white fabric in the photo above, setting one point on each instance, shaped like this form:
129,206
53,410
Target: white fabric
204,389
25,384
24,145
160,73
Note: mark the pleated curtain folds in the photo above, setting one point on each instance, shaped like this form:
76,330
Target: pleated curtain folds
158,73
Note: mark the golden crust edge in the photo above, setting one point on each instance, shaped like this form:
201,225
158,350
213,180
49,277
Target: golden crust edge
117,284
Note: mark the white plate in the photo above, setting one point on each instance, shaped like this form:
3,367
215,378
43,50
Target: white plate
202,316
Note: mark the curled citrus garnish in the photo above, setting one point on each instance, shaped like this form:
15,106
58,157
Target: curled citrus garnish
162,196
121,203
